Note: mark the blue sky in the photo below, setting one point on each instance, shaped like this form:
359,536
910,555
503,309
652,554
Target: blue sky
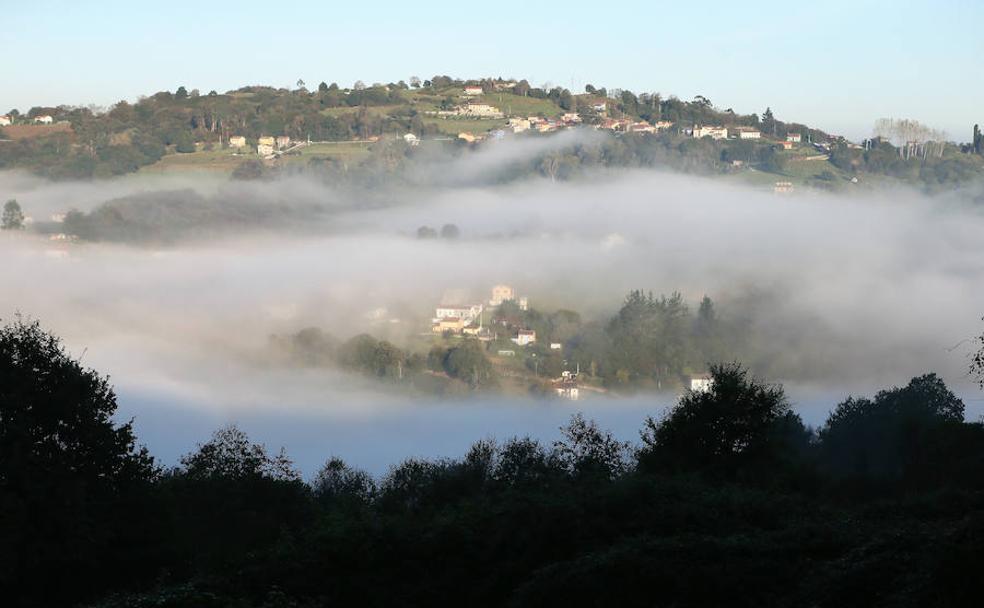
835,64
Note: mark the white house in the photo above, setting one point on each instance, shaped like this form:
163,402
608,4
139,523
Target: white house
570,118
481,109
267,141
237,141
5,120
710,131
599,106
411,139
518,125
556,346
264,149
466,313
525,337
473,90
701,383
794,137
44,119
746,133
283,141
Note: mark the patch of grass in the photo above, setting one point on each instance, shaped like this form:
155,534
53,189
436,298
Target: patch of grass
517,105
453,126
215,160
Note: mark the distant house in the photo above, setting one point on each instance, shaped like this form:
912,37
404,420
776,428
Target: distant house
468,137
44,119
556,346
525,337
599,106
5,120
264,149
524,303
481,109
570,118
786,145
641,127
283,141
701,383
745,133
662,125
501,293
566,386
237,141
267,141
473,90
411,139
505,86
518,125
450,311
448,324
713,132
783,187
794,137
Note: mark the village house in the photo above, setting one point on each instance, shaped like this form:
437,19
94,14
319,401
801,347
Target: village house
599,106
518,125
468,137
500,294
662,125
5,120
556,346
710,131
783,187
411,139
264,149
505,86
745,133
481,109
546,126
566,386
641,127
237,141
448,324
570,118
283,141
525,337
267,141
701,383
786,145
794,137
43,119
473,90
452,311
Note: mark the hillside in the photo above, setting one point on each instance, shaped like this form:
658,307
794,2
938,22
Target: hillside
255,130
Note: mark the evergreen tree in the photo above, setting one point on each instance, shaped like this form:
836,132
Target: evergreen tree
13,217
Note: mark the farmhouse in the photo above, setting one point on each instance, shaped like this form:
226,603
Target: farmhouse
518,125
5,120
237,141
500,294
701,383
710,131
283,141
745,133
599,106
481,109
472,90
525,337
264,149
267,141
44,119
794,137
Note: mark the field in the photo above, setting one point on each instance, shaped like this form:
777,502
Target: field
31,131
453,126
517,105
347,152
216,160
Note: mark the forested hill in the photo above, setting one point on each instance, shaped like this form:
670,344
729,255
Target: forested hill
192,129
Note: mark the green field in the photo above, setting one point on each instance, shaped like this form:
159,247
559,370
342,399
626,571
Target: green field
453,126
216,160
347,152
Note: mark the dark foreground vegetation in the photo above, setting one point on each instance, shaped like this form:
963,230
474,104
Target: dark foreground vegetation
727,500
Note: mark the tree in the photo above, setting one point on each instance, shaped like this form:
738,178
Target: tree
181,93
450,231
978,141
359,85
587,451
426,232
323,87
415,82
738,424
230,455
66,471
13,217
337,482
522,88
768,122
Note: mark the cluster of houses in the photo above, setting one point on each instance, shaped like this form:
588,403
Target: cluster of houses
265,145
469,319
740,132
44,119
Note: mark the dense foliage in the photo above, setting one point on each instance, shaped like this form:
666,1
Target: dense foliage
728,501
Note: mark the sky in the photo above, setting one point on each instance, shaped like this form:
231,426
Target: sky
838,64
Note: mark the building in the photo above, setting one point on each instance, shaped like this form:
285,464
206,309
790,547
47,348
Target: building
710,131
44,119
662,125
453,325
5,120
701,383
566,386
473,90
518,125
237,141
267,141
786,145
481,109
505,86
283,141
264,149
641,127
783,187
524,303
599,106
411,139
570,118
468,137
501,293
794,137
525,337
450,311
745,133
556,346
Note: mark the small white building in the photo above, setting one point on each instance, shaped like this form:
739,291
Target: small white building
237,141
599,106
518,125
411,139
556,346
267,141
5,120
44,119
525,337
473,90
480,109
570,118
466,313
264,149
794,137
710,131
701,383
283,141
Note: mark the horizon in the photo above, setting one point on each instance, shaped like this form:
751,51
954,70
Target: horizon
727,61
